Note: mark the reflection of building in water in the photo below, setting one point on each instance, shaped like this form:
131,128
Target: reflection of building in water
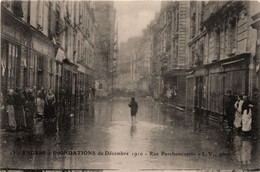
242,151
237,149
246,150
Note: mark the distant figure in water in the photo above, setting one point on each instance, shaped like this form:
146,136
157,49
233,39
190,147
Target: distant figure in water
134,107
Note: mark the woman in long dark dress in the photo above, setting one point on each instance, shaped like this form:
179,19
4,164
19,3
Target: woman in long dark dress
30,109
19,101
50,126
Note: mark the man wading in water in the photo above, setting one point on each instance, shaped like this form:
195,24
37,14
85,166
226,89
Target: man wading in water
134,107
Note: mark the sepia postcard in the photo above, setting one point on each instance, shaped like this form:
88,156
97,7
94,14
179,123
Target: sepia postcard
93,86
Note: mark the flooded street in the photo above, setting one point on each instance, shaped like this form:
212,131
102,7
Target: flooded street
105,138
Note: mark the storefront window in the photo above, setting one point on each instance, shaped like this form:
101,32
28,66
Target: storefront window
9,66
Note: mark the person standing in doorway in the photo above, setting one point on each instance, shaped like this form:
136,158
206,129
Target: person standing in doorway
40,104
50,122
10,110
174,95
229,108
169,95
238,113
50,105
134,107
29,109
19,101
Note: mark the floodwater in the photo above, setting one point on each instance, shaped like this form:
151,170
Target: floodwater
105,138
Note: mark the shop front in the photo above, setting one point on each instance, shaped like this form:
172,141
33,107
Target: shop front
15,46
69,84
207,86
211,88
176,80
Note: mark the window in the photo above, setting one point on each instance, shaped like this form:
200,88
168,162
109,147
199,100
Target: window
177,18
75,10
74,47
217,43
164,42
177,22
51,83
31,69
86,56
4,55
81,51
100,86
80,14
57,18
232,34
78,49
193,24
7,4
177,51
169,15
39,71
192,56
202,49
40,14
17,8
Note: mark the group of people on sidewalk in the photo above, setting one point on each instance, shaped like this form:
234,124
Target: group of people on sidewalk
241,113
33,110
24,108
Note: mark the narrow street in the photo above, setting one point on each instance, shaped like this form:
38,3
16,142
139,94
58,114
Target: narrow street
161,138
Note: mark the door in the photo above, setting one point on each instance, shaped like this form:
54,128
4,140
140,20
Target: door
199,92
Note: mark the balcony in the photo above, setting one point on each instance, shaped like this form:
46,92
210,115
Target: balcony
218,9
212,8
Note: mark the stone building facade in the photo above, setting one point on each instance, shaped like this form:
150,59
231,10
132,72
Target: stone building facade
170,49
134,64
126,79
49,45
221,55
143,62
105,16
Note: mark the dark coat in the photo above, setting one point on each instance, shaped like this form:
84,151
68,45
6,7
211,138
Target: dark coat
229,105
19,99
134,107
9,99
246,106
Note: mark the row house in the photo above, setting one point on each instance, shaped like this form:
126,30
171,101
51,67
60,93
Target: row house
105,15
221,54
155,63
84,43
133,64
47,44
127,65
170,30
143,57
255,16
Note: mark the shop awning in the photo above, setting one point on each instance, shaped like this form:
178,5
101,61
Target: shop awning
175,72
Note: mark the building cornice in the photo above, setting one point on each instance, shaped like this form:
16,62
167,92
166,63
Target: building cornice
197,37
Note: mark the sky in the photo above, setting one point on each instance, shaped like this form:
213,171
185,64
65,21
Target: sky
133,17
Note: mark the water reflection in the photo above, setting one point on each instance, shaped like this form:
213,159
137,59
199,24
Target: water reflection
246,150
133,129
107,126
